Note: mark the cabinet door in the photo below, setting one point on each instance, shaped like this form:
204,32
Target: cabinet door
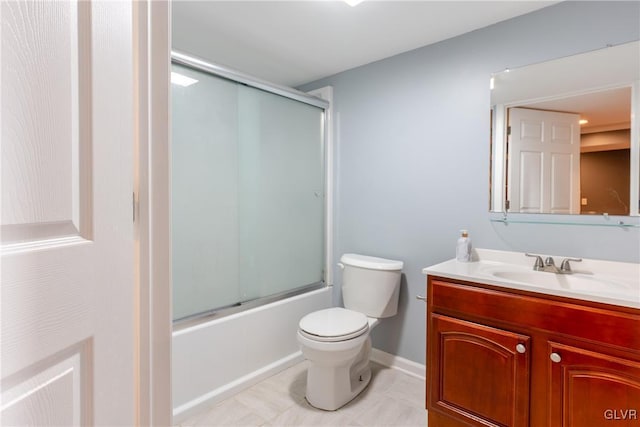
592,389
479,375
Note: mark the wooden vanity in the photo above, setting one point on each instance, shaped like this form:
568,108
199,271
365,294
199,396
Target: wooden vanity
498,356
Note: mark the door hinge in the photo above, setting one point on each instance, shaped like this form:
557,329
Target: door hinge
508,130
133,206
506,204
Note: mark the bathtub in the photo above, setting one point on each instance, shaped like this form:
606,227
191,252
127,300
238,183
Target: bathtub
213,360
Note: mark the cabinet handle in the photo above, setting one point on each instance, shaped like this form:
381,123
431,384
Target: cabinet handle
421,298
555,357
520,348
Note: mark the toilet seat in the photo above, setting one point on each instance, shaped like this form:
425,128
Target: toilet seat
333,324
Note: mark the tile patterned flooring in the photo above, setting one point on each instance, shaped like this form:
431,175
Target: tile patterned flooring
393,398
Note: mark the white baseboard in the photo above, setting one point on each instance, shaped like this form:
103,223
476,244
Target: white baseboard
197,405
400,363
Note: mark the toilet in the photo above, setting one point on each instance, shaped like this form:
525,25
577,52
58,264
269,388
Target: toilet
336,340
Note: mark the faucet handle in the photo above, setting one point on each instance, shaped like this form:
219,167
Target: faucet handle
565,267
538,265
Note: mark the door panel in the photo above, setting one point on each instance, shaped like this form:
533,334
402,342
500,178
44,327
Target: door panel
561,183
562,132
480,377
592,389
530,181
31,401
45,80
67,290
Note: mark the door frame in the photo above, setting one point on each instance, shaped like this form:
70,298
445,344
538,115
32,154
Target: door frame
151,211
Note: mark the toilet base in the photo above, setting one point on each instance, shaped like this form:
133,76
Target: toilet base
333,387
338,400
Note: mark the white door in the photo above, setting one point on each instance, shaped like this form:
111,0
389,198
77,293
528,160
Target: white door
67,292
544,161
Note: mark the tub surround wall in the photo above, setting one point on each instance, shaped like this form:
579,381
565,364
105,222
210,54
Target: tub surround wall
412,154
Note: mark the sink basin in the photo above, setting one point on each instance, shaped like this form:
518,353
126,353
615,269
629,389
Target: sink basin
574,282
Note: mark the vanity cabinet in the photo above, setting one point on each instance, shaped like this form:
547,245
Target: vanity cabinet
501,357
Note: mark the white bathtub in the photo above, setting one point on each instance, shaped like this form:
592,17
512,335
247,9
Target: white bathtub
214,360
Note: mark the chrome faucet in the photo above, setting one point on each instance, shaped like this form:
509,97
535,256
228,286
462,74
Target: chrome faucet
538,265
549,264
565,267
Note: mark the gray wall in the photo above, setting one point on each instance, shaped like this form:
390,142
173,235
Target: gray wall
413,153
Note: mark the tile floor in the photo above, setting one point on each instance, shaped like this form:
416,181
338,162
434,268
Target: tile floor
393,398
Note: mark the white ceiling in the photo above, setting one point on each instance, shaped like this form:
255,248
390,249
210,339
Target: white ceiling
295,42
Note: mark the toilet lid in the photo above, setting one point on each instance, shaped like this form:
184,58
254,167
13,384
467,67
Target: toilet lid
334,324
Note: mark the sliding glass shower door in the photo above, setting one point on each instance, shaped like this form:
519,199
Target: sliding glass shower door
247,193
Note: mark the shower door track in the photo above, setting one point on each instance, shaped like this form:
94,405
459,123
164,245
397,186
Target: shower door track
239,77
217,313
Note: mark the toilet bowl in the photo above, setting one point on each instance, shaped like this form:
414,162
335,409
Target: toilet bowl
336,341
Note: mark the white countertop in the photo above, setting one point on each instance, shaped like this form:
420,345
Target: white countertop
608,282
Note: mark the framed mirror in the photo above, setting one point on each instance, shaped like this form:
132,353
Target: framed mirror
565,135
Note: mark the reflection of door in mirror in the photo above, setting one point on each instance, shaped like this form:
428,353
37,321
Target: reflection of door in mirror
543,161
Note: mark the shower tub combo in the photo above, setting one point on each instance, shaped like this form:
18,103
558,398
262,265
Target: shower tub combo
249,228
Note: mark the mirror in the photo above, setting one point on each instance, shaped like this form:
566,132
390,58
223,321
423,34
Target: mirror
563,137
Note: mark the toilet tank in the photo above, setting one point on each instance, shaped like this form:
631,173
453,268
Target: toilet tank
371,285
